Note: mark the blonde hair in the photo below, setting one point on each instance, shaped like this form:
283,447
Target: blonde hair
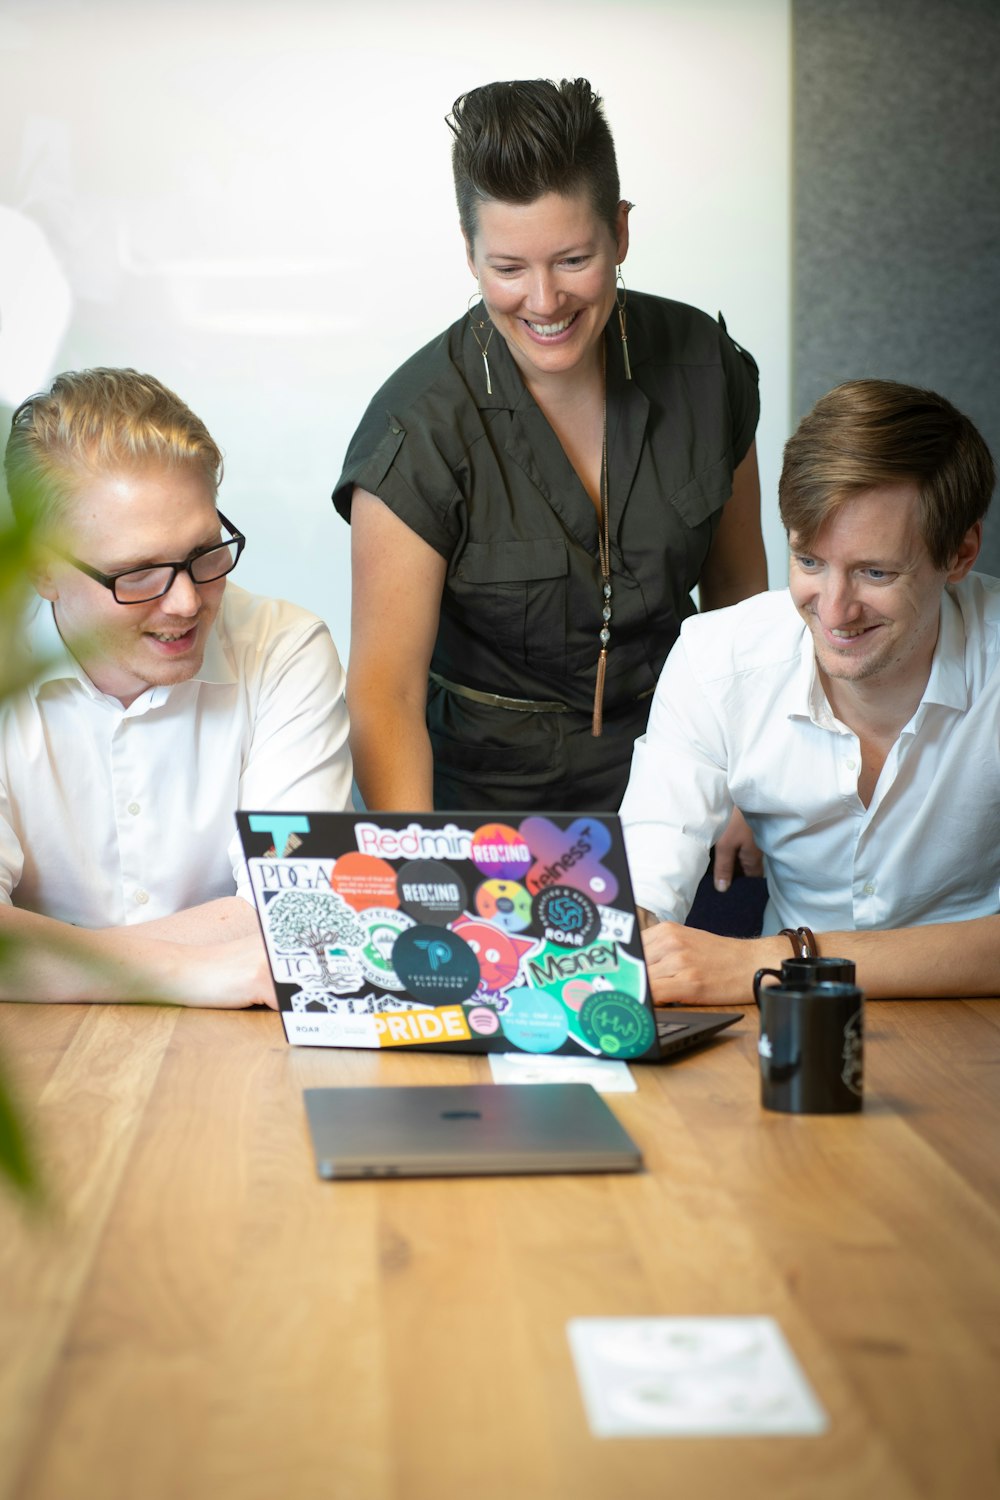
868,433
95,422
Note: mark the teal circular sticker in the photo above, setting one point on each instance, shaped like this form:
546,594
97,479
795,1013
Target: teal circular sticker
534,1021
617,1024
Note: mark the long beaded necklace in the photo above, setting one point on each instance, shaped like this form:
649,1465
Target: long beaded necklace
604,557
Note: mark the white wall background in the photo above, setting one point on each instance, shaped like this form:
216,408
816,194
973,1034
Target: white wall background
253,202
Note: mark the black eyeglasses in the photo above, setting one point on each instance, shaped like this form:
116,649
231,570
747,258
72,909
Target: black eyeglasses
141,585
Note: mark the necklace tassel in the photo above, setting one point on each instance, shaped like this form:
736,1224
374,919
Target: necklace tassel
598,722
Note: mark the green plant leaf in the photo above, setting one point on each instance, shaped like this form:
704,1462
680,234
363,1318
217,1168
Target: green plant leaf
17,1161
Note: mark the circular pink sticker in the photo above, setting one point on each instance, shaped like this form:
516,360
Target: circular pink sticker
576,992
483,1021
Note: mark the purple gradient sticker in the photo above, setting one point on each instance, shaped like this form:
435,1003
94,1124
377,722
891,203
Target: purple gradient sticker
570,856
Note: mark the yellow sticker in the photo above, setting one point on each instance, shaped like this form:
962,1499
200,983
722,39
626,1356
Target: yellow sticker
446,1023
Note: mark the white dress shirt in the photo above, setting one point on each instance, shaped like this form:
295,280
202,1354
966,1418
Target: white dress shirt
740,718
112,815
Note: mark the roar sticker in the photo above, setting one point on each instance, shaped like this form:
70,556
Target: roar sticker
430,891
499,850
567,916
384,927
505,902
534,1022
570,856
617,1024
435,965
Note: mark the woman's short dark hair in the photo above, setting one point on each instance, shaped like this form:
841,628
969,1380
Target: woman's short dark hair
865,434
516,141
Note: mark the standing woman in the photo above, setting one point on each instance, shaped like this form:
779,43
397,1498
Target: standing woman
535,493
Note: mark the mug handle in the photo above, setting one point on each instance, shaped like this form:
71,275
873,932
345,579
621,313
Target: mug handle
758,977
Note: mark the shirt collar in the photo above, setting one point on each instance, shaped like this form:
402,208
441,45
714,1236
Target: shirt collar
947,684
53,661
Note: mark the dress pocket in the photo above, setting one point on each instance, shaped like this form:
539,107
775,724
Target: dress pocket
705,493
514,595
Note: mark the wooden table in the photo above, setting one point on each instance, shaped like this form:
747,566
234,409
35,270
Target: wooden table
199,1316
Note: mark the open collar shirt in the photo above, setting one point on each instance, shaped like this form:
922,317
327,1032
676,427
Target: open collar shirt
112,815
740,718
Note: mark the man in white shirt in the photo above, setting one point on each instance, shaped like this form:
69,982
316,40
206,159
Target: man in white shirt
162,698
854,718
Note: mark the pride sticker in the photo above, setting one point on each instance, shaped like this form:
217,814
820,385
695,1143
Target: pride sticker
499,850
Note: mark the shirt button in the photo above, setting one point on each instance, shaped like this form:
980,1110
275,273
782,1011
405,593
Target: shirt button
868,888
140,898
851,764
133,808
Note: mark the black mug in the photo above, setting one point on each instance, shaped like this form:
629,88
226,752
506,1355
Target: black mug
811,1048
807,971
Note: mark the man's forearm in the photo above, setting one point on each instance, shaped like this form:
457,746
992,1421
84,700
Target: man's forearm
220,921
949,959
943,959
47,960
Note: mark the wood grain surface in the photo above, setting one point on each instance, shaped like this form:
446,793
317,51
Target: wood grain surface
195,1316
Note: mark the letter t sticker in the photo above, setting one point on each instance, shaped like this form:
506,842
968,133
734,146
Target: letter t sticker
282,830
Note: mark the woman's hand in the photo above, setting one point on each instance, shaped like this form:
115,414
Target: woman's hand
736,847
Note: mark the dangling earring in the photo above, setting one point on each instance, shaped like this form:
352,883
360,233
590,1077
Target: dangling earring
482,347
621,299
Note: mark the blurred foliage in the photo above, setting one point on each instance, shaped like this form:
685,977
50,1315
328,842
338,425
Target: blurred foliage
17,1163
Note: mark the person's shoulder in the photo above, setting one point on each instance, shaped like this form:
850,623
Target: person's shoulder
677,330
762,633
413,389
978,597
249,623
676,335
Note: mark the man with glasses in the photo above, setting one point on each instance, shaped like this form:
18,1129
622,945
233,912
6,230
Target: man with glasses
161,698
854,717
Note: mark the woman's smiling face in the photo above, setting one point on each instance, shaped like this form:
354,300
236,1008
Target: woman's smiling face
547,274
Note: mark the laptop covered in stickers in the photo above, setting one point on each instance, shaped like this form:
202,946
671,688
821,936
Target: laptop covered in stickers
458,932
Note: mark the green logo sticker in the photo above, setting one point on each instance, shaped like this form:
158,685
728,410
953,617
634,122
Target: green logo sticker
617,1024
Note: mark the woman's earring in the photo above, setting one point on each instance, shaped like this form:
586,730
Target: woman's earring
480,324
621,299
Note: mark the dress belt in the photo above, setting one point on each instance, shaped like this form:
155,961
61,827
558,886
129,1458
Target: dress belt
496,700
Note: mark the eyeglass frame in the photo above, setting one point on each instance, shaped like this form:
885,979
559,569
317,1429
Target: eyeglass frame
109,580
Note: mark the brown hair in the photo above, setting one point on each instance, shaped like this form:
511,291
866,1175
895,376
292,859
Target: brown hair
516,141
94,422
869,433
